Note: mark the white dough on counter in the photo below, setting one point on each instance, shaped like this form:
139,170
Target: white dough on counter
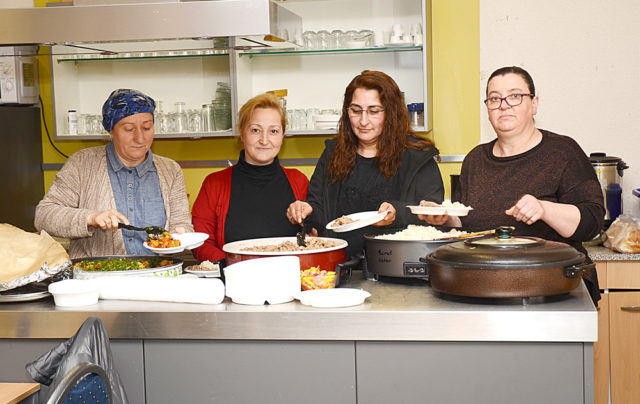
181,289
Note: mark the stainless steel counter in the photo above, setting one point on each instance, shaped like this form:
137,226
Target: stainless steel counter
393,313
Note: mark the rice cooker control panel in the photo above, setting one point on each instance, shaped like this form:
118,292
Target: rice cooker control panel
415,269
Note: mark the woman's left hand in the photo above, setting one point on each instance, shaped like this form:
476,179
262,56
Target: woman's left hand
180,229
389,217
528,210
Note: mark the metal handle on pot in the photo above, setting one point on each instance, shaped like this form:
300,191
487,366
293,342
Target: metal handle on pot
574,271
630,308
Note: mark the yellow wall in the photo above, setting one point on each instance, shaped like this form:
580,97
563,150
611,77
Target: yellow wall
456,120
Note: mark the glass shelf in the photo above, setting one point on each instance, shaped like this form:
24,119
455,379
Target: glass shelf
267,52
139,56
197,135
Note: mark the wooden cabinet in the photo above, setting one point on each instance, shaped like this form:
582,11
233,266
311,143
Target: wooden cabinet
617,352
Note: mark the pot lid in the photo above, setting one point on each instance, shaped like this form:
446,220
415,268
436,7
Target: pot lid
602,158
503,250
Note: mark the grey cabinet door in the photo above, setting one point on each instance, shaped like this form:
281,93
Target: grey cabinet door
470,372
250,372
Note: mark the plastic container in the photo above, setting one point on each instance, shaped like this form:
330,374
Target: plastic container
416,114
75,292
274,280
72,122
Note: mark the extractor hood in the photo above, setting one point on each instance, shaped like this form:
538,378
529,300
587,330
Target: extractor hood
253,23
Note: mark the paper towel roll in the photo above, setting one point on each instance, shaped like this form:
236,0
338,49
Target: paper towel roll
183,290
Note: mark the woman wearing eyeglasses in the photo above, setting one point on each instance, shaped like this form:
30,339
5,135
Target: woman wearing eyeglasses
539,182
374,164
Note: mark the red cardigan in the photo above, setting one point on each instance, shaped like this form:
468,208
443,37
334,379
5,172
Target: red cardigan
209,212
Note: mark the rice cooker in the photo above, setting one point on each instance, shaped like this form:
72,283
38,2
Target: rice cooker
398,258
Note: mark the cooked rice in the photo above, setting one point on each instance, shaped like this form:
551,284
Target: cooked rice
415,232
448,204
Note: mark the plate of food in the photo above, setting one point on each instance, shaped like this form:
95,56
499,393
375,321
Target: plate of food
445,208
172,243
356,221
205,269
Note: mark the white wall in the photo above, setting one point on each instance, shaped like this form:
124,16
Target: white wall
584,57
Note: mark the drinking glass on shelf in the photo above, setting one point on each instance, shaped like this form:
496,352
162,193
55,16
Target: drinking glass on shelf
326,40
162,123
195,120
340,38
310,113
367,36
299,119
310,40
208,118
290,119
95,125
181,121
83,120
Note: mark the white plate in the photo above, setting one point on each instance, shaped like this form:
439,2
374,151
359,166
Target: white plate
439,210
340,297
188,241
362,219
204,274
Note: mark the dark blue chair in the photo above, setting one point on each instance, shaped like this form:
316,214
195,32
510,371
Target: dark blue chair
87,383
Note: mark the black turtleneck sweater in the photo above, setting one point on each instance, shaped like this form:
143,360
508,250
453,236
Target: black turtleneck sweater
260,196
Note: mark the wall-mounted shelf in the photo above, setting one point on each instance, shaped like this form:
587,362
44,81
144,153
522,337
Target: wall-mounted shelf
267,52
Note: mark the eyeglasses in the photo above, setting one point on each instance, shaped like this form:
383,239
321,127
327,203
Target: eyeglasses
512,100
374,112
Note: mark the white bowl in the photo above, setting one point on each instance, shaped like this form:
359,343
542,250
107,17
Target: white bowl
274,280
74,292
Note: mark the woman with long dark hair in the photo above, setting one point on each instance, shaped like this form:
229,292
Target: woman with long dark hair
375,163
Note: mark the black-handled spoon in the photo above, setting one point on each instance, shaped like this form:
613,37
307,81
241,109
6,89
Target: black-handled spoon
149,230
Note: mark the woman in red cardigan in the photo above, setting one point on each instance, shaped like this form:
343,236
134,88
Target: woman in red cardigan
250,199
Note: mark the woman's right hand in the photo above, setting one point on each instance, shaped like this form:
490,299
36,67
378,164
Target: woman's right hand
435,220
298,211
106,219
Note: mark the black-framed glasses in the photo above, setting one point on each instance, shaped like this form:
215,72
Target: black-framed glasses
373,112
512,100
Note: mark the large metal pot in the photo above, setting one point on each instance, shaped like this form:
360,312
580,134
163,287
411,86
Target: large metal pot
506,266
329,259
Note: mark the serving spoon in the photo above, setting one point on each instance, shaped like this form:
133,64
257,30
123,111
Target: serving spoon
149,230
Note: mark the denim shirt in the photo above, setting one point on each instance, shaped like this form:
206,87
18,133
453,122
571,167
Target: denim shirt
138,197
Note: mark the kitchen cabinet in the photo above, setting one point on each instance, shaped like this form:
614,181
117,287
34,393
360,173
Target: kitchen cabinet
617,353
190,71
405,344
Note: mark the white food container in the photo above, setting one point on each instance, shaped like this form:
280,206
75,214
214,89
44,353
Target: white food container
274,280
74,292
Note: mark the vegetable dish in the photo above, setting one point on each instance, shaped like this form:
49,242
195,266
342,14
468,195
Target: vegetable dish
122,264
162,240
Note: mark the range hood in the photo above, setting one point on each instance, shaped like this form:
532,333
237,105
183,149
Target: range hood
252,23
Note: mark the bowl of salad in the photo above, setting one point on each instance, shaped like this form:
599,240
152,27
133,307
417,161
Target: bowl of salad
126,265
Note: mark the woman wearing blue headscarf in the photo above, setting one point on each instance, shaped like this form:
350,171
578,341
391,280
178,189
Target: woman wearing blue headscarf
124,181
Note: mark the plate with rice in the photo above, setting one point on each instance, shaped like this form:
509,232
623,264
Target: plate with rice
446,208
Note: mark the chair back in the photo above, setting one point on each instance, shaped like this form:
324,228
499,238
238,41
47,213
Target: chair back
86,383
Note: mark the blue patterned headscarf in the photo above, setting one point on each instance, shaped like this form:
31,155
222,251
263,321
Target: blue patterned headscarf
122,103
